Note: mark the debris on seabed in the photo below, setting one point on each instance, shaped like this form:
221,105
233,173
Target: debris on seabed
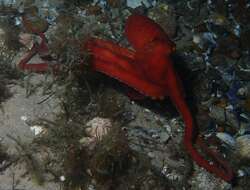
37,129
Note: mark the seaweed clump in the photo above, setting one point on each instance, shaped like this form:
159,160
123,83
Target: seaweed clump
27,156
68,37
115,166
8,73
9,46
111,159
62,154
106,163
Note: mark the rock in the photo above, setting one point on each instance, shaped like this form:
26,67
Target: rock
32,22
243,146
116,3
226,138
136,3
165,16
224,116
229,45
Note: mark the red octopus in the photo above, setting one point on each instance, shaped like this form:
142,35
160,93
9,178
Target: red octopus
149,69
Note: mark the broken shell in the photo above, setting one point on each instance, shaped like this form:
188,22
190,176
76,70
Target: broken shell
36,129
243,146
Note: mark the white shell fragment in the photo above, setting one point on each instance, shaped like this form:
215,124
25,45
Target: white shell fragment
226,138
36,129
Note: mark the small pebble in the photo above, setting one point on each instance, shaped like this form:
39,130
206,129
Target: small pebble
62,178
